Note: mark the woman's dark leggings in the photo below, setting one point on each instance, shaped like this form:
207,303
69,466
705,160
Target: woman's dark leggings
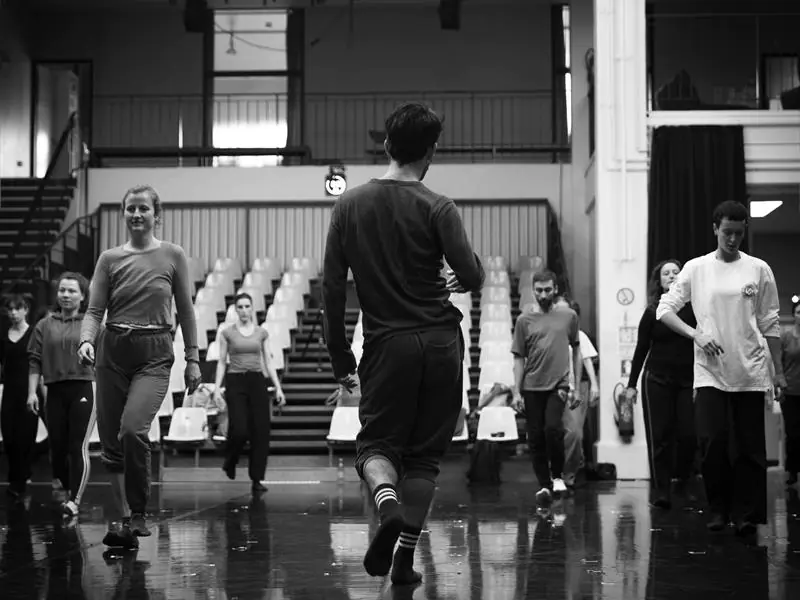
70,412
19,427
249,418
670,430
790,407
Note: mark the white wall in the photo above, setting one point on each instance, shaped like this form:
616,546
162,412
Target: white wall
298,184
15,98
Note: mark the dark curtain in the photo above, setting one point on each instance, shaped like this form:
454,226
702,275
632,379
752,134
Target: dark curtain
692,169
560,134
295,57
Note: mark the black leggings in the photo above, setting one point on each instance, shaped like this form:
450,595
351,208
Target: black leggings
790,407
71,416
249,417
670,430
19,427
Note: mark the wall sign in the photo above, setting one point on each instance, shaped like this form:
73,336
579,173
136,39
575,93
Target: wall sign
625,296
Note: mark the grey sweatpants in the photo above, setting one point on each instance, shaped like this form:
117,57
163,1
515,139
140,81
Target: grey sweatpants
132,371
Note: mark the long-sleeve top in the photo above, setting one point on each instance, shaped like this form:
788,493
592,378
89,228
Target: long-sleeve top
52,350
136,287
392,235
669,355
737,304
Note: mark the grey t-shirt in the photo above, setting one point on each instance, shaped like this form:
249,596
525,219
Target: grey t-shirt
245,351
540,338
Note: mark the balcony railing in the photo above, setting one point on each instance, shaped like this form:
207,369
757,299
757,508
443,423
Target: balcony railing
479,126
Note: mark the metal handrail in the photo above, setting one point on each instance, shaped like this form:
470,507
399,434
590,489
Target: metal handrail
37,199
36,261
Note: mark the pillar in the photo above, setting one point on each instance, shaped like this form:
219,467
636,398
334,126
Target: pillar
621,215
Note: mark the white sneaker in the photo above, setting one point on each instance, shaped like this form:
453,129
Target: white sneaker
559,487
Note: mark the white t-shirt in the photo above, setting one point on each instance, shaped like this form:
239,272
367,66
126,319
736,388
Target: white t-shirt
587,347
737,304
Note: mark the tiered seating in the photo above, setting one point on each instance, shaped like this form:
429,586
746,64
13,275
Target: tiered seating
276,309
496,321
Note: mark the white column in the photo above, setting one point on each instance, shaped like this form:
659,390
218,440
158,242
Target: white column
621,205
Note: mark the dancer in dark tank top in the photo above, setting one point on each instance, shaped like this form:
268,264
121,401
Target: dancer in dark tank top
246,393
19,425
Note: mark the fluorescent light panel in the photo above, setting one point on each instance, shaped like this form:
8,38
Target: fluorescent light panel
761,208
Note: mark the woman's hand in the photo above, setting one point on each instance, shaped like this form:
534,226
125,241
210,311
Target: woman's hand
191,376
280,397
33,403
86,354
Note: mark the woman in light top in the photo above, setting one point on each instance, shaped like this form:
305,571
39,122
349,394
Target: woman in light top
735,302
790,407
246,393
667,398
136,283
70,408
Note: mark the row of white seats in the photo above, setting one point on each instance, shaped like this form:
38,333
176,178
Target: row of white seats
500,263
268,266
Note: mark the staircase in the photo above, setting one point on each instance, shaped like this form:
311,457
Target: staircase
308,380
39,226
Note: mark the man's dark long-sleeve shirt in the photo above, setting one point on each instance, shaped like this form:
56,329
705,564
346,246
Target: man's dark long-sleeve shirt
392,235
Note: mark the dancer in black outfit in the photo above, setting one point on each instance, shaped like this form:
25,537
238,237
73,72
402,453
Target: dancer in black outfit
393,232
790,407
70,408
17,423
667,395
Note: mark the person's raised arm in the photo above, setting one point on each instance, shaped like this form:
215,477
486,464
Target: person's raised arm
456,246
679,294
334,299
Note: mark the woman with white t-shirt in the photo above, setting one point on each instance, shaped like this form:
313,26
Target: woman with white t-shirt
735,302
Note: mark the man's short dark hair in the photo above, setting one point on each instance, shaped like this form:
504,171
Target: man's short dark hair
411,131
545,275
731,210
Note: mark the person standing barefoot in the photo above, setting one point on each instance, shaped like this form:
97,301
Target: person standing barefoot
135,282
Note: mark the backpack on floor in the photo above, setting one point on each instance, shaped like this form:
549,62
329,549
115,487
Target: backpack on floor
485,463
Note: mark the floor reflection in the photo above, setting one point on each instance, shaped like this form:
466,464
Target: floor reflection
482,543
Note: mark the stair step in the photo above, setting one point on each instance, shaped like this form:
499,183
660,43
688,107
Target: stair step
301,422
308,377
299,434
317,411
30,237
307,445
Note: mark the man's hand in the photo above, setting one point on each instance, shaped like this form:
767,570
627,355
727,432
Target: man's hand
517,403
452,284
779,384
594,395
708,344
350,386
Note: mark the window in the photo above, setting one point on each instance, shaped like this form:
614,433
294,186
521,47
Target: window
250,84
565,21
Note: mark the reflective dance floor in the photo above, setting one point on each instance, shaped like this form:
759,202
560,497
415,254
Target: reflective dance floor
306,540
